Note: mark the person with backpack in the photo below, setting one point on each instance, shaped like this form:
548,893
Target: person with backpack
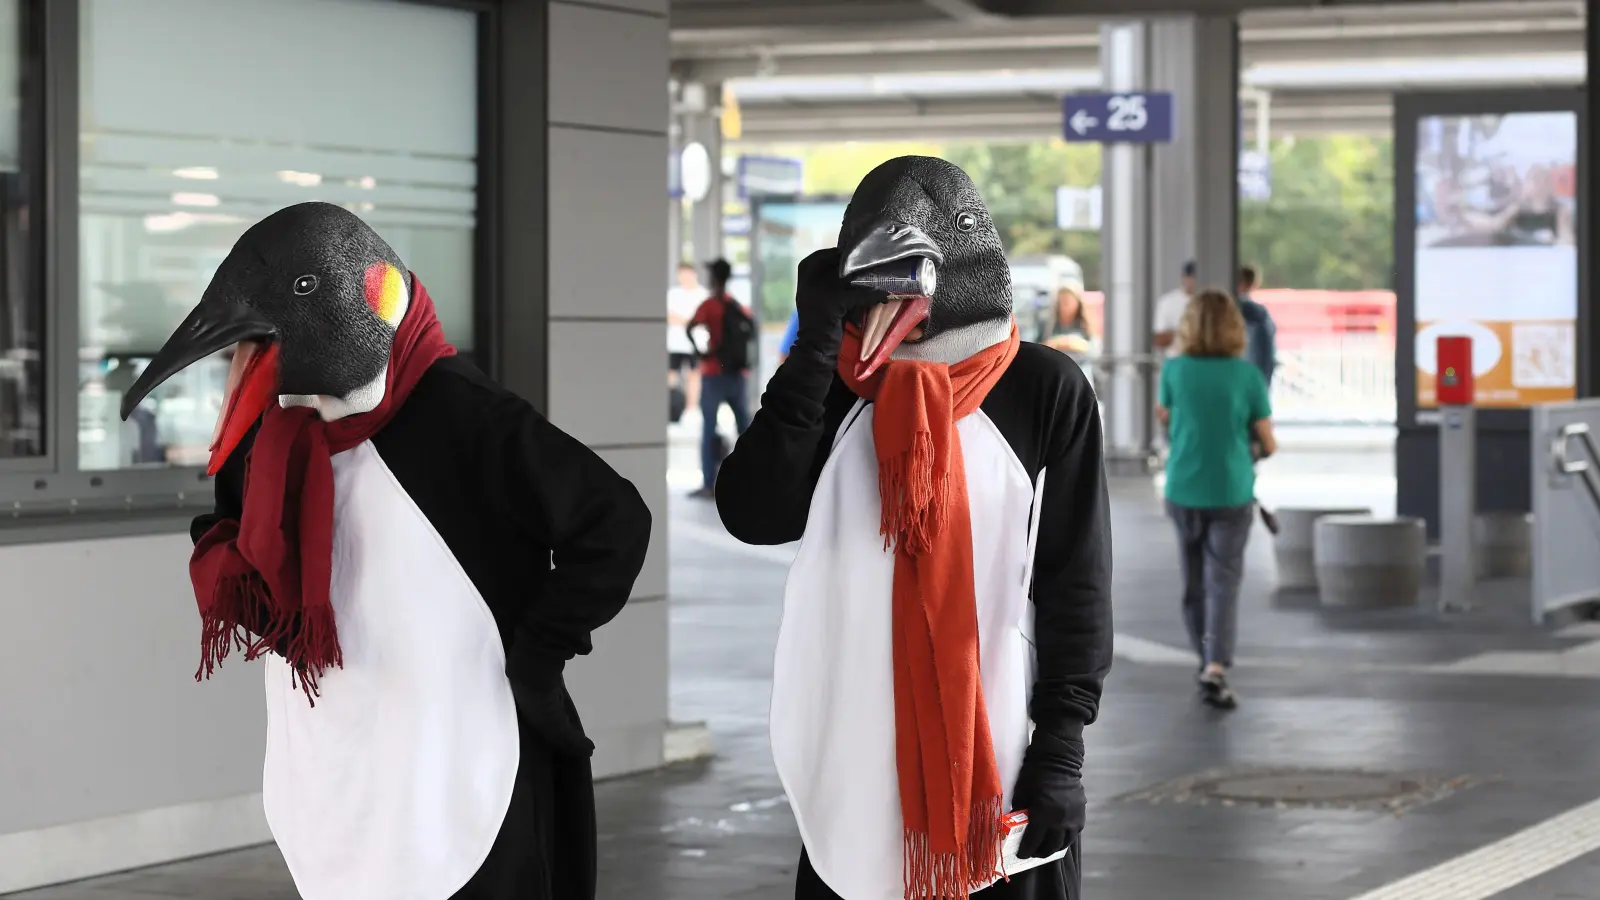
724,367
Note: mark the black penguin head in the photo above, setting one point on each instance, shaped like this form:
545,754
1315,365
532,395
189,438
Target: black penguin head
310,297
920,207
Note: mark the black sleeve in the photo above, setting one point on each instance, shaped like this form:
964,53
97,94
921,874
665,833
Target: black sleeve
563,496
229,488
1072,569
764,486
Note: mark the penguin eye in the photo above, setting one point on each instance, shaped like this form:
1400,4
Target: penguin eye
305,284
966,221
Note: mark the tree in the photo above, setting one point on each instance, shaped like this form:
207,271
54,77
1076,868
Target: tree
1328,224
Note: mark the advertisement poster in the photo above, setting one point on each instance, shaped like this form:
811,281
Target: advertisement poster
1496,252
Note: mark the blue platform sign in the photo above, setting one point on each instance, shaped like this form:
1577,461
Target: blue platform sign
770,176
1133,117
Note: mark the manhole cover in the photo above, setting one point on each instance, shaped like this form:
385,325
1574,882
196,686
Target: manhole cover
1315,788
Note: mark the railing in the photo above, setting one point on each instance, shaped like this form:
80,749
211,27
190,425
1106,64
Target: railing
1337,378
1582,468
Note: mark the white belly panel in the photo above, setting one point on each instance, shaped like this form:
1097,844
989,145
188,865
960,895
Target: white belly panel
832,716
394,786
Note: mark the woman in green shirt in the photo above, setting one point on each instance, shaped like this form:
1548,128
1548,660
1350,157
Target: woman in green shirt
1212,402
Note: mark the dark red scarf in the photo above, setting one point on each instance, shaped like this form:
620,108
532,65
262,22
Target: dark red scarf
950,787
263,581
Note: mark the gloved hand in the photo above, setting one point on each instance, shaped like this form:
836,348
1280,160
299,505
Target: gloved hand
823,300
1050,789
545,711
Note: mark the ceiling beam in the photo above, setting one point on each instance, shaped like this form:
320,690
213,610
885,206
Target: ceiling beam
1087,57
995,130
972,12
1438,20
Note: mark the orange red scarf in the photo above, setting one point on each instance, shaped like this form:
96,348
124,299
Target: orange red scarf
950,789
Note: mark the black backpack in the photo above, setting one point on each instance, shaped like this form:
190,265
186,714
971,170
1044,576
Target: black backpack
738,332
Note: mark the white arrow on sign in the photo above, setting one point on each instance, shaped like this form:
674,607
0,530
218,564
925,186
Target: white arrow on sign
1081,121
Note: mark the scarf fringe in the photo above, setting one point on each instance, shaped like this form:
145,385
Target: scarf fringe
914,499
951,876
310,642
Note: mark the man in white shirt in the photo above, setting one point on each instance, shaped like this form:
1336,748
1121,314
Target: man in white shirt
1169,312
682,301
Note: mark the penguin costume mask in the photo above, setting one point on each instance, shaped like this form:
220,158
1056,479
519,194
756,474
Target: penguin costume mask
946,626
417,553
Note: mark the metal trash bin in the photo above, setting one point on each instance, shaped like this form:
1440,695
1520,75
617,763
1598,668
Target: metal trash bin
1366,562
1504,543
1293,545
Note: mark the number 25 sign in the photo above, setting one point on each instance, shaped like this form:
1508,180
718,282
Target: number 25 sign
1128,117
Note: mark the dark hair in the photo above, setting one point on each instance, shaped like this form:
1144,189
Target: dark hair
719,272
1247,277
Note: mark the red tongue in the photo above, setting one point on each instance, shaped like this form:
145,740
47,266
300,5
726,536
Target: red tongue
252,385
913,312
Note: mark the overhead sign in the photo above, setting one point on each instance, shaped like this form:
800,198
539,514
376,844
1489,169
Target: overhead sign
1130,117
770,176
1255,175
674,175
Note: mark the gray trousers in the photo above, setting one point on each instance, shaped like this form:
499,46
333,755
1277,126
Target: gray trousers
1211,548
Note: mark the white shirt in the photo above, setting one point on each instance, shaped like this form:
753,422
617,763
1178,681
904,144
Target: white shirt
683,302
1168,313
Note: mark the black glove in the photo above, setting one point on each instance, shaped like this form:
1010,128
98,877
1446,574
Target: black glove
1050,789
823,300
545,711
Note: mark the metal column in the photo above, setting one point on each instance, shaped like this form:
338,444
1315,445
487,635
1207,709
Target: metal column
1458,506
1125,250
705,217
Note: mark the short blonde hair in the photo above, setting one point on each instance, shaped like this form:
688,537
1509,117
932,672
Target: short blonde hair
1211,326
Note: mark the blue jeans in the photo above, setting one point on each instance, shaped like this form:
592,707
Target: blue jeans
716,390
1211,548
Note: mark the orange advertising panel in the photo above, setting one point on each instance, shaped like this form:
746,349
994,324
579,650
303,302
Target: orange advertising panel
1496,253
1513,363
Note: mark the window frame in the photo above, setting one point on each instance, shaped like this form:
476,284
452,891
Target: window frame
43,492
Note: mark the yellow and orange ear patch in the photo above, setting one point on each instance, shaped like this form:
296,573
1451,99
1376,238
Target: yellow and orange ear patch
385,290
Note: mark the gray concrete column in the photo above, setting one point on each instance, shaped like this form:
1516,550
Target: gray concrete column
1164,203
705,216
1194,179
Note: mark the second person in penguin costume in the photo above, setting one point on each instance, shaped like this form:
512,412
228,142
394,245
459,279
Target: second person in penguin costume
947,621
417,553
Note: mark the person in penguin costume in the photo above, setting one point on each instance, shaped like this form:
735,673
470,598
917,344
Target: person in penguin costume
417,553
947,620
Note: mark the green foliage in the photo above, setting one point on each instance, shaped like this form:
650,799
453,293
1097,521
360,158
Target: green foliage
1330,221
1328,224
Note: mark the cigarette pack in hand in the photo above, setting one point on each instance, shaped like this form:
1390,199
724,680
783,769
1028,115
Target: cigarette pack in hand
1015,823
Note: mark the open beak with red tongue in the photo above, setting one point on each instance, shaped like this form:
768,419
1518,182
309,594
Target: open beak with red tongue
902,261
216,324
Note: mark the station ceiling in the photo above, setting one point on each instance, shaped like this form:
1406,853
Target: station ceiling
853,69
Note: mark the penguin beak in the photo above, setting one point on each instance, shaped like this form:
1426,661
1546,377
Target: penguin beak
872,262
217,323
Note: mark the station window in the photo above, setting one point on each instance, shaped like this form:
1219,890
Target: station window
198,118
22,351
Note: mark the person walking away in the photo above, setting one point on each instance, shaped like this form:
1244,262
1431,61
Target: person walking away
724,367
1211,399
1069,329
682,301
1261,338
1169,312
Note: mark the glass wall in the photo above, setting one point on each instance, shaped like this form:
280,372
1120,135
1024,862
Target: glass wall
22,397
198,118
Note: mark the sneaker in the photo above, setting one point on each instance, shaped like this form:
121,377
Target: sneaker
1215,692
1269,520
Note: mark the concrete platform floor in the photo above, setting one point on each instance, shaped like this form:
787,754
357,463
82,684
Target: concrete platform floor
1406,692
